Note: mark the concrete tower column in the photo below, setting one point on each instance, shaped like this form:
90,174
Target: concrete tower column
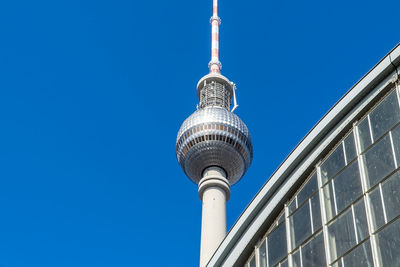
214,191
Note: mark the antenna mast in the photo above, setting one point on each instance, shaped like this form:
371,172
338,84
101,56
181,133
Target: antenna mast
215,65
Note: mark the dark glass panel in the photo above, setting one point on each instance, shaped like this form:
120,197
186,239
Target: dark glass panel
253,262
333,164
313,253
385,115
341,235
301,224
360,256
277,248
391,196
364,133
316,212
310,187
337,264
379,161
389,244
350,147
284,263
377,208
329,201
263,255
292,206
360,218
396,143
347,186
296,259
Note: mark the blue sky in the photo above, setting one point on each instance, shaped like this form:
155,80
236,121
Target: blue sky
92,94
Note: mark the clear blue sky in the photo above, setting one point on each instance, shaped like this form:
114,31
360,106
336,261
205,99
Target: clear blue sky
92,94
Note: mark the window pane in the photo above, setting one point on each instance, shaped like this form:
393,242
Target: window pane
396,142
377,209
252,262
316,212
329,201
391,196
281,218
263,255
301,223
313,253
389,244
360,218
310,187
337,264
277,248
296,259
360,257
284,263
379,161
341,235
292,206
347,186
350,147
385,115
333,164
365,136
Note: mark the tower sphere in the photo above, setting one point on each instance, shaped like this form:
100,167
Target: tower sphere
214,136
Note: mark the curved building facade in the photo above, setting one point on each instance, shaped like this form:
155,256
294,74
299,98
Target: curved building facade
335,200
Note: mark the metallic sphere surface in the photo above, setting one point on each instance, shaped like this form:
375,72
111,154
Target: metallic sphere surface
214,136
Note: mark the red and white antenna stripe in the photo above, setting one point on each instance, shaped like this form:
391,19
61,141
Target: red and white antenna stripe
215,64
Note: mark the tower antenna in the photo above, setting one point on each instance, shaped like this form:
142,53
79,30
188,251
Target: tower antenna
215,65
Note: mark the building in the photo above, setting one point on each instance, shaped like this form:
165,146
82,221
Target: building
335,200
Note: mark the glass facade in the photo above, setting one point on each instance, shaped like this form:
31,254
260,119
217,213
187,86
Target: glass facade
347,212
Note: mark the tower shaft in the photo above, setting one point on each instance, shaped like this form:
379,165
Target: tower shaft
214,192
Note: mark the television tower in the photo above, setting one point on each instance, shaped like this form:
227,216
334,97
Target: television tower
214,147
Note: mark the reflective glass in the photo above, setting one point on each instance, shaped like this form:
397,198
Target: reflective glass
377,208
364,133
379,161
253,262
310,187
385,115
313,253
350,147
341,235
334,163
263,255
277,248
301,224
292,206
337,264
329,201
281,218
360,256
296,259
347,186
360,218
389,244
391,196
396,143
284,263
316,212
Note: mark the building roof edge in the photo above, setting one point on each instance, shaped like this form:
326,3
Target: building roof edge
323,127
